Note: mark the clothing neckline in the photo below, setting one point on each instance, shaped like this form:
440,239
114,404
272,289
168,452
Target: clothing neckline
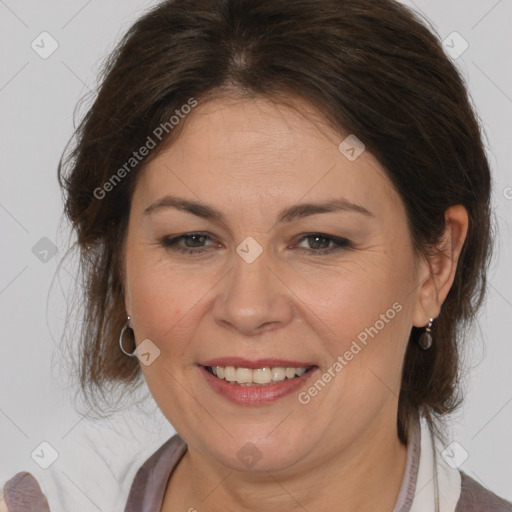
408,487
153,477
173,464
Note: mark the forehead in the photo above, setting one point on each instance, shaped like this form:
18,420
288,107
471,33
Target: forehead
264,155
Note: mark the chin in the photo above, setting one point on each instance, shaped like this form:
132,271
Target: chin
257,449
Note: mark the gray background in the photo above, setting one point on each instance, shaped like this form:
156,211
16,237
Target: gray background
97,459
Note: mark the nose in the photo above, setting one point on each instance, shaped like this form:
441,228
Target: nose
254,298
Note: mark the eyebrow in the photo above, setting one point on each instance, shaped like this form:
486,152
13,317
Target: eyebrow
287,215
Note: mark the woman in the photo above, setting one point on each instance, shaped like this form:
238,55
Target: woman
283,215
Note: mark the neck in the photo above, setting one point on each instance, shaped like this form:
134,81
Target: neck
366,475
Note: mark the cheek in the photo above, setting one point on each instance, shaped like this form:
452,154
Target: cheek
163,303
368,312
160,298
354,297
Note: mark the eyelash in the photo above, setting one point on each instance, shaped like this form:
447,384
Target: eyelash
170,243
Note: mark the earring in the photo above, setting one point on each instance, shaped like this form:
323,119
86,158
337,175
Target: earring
425,340
128,324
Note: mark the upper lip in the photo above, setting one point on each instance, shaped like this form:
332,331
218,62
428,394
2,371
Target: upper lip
241,362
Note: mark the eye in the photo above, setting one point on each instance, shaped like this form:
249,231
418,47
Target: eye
194,243
196,240
324,240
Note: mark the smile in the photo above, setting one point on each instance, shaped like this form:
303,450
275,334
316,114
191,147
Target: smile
257,376
245,382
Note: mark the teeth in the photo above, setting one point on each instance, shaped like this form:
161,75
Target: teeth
262,375
243,375
278,374
247,376
229,373
290,373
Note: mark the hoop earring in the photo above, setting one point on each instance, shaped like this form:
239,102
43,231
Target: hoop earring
128,324
425,341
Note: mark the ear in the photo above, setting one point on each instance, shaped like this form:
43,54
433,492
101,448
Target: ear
437,273
127,299
127,304
124,280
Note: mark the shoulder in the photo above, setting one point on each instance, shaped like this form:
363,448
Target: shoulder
166,456
22,493
476,498
151,478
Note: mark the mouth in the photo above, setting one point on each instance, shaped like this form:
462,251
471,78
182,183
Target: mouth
259,382
263,376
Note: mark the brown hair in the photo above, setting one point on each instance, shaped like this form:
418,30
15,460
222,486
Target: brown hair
371,67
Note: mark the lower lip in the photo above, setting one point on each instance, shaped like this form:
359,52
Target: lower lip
255,395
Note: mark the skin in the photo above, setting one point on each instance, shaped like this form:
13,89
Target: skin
251,158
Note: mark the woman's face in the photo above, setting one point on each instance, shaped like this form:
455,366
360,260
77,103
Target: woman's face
257,292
